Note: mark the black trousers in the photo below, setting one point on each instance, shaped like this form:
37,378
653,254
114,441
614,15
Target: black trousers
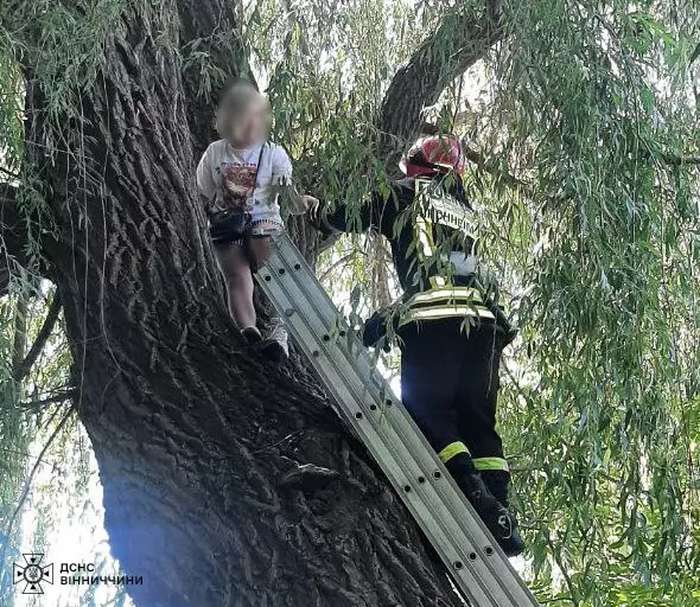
449,383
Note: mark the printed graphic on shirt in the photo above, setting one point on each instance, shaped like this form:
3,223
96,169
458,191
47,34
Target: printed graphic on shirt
238,181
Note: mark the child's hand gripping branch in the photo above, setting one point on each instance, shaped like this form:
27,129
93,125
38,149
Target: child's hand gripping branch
243,178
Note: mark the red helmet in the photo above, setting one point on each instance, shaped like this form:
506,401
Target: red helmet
430,156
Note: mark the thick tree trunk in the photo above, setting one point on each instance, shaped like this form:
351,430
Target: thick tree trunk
196,437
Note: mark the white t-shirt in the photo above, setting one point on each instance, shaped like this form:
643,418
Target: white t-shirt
228,176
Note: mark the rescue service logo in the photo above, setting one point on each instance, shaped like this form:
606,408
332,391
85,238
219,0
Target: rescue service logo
32,574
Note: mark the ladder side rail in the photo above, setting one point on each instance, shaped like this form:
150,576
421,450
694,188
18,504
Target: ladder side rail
396,471
290,281
480,540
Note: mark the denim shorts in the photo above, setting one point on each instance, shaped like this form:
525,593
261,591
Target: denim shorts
264,220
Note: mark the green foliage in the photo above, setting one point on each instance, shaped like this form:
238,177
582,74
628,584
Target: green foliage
60,43
592,107
25,419
596,105
327,68
586,118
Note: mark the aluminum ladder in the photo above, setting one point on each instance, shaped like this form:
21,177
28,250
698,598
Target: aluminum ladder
474,561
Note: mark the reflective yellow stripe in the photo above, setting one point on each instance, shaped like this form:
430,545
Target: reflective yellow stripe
491,463
451,293
451,450
446,312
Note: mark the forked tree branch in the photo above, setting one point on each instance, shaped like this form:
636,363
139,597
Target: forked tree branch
38,346
462,38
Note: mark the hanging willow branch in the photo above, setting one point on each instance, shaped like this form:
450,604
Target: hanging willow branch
30,478
12,235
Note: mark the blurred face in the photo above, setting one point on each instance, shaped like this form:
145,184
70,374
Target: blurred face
243,116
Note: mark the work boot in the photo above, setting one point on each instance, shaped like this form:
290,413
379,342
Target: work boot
499,521
276,345
497,482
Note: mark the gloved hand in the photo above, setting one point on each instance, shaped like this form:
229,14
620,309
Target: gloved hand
509,331
510,336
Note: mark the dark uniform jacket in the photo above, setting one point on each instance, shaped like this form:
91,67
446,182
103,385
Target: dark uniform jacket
432,248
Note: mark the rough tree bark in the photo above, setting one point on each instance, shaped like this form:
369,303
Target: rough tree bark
202,447
462,38
13,236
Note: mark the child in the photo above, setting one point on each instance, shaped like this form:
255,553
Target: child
242,177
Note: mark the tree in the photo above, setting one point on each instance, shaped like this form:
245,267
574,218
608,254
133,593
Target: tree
194,437
583,146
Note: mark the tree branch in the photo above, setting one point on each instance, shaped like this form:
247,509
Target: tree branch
25,366
462,38
695,54
58,396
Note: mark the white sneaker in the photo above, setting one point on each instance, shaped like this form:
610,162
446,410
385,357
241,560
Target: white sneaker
276,346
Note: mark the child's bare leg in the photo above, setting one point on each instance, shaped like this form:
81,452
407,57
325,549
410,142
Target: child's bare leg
235,267
259,249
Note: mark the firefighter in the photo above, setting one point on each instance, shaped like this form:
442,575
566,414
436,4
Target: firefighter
450,330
